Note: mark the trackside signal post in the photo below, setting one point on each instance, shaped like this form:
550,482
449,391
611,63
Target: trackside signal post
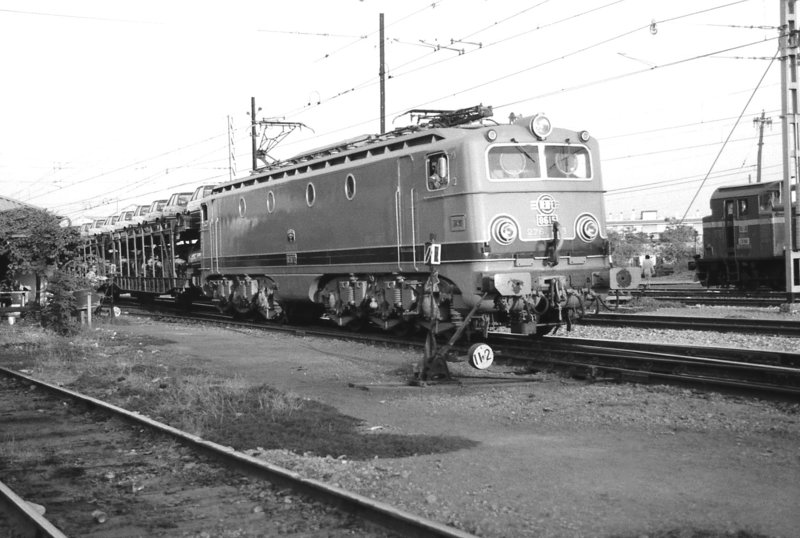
433,365
789,124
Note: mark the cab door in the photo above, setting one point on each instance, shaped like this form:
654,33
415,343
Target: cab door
730,238
406,201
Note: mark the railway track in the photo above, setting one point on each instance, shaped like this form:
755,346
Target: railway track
701,323
761,371
765,372
101,471
694,294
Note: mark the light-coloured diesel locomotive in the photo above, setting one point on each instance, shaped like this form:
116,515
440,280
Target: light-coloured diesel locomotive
457,221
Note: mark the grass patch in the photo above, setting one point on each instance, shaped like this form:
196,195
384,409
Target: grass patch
227,410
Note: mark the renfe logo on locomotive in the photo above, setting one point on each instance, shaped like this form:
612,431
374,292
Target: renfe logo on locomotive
545,206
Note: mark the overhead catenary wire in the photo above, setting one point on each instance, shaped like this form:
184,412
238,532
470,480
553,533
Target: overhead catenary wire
450,59
744,110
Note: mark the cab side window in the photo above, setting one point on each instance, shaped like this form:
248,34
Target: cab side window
438,169
742,207
768,200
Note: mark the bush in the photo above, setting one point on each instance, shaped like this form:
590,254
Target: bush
60,311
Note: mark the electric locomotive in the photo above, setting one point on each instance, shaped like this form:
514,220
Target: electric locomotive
743,238
454,220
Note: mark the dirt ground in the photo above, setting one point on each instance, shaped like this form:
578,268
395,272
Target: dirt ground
540,456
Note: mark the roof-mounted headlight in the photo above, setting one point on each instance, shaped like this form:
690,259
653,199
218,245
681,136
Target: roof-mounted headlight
541,126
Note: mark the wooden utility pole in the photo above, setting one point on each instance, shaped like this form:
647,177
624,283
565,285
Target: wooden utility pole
382,75
760,122
789,125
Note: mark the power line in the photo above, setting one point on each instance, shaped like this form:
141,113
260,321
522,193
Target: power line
432,5
744,110
65,16
670,150
139,162
673,182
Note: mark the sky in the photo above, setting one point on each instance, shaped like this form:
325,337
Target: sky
109,104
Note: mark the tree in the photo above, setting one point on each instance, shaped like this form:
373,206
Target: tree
627,245
33,242
677,243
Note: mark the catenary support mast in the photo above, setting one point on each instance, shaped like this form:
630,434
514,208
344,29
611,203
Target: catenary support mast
789,119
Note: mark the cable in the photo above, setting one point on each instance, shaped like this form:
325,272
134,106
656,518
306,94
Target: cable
431,6
682,148
671,127
140,162
749,100
371,81
665,183
61,15
617,77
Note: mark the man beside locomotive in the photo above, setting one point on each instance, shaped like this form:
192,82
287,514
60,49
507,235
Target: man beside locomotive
647,270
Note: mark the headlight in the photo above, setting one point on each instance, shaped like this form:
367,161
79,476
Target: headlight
587,228
504,230
541,126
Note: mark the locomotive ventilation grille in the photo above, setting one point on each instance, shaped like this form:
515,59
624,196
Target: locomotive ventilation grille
587,228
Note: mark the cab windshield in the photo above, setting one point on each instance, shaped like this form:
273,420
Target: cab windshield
537,161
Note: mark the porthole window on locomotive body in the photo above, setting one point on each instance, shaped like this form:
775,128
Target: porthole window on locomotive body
350,187
438,169
310,194
270,202
242,207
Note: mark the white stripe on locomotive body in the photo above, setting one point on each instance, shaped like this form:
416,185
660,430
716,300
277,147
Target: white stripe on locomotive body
764,221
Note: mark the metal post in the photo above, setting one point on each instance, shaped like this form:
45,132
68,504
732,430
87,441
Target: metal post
253,131
382,75
788,46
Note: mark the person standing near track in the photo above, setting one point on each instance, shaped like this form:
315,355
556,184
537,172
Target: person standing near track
647,270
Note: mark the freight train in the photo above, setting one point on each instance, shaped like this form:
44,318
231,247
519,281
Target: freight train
456,219
744,238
